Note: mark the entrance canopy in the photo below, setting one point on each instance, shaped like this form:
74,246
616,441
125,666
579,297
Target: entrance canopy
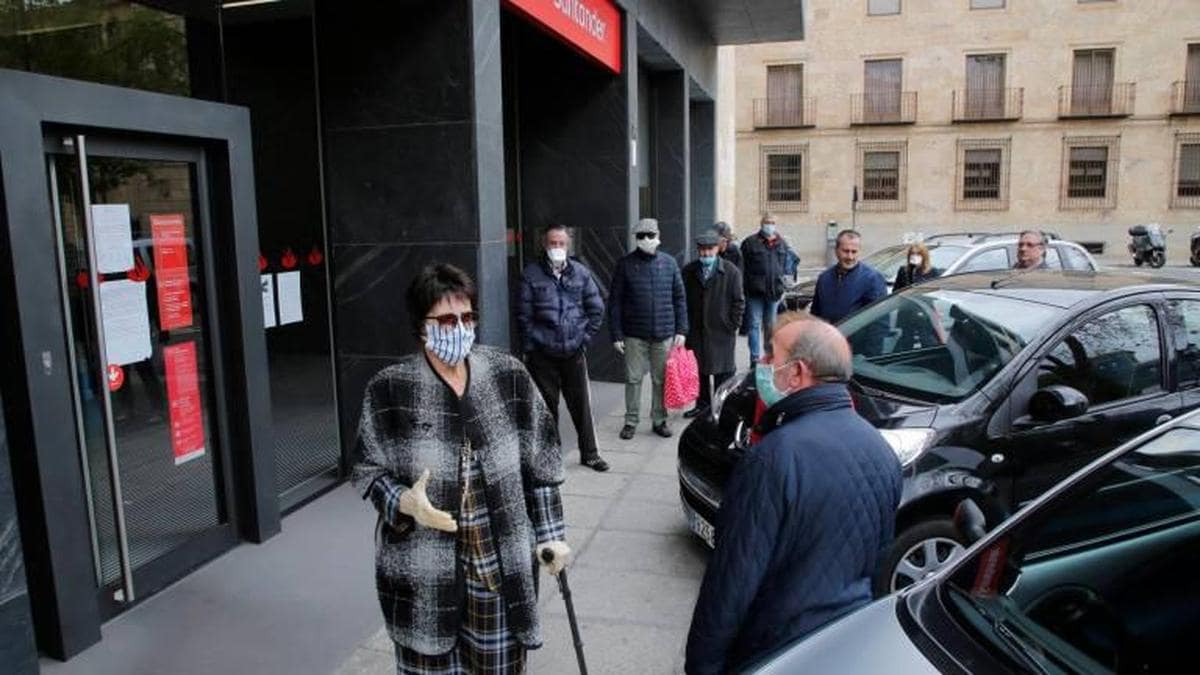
733,22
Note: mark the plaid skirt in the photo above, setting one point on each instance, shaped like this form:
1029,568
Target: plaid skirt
485,645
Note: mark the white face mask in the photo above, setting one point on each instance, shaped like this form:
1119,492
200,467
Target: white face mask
914,260
648,245
557,256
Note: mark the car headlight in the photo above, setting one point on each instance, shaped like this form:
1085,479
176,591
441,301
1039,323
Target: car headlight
908,444
722,392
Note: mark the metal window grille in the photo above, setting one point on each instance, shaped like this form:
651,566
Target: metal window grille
981,182
1185,192
1089,174
783,177
883,172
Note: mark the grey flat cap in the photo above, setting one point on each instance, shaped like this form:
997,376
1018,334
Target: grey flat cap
708,239
646,225
723,229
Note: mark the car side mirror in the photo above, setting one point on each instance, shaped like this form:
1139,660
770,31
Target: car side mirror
1057,402
969,521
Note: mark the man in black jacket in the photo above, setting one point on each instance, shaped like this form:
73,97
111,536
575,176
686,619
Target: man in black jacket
764,261
559,313
727,248
647,315
713,287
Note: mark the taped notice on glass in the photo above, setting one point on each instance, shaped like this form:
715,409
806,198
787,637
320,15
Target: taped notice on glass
113,233
268,300
291,309
126,321
184,401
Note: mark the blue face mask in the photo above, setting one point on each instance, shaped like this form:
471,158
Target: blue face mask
450,344
768,230
764,380
708,260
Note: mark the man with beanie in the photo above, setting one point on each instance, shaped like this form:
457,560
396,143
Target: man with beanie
713,287
727,249
647,315
559,312
764,262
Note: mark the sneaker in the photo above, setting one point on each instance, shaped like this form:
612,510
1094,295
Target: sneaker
693,412
662,429
595,463
627,432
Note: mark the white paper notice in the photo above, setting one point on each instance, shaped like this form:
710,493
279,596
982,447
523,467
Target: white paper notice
113,234
291,309
126,321
268,300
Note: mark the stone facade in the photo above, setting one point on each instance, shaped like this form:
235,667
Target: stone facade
1150,41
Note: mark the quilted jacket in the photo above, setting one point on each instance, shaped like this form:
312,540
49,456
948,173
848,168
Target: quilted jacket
647,300
805,521
558,315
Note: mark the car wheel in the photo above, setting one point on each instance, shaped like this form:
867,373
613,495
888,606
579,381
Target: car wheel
918,552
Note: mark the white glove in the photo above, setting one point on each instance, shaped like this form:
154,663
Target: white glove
414,502
560,554
680,340
619,345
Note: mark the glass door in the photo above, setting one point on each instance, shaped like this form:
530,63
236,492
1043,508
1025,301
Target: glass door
136,271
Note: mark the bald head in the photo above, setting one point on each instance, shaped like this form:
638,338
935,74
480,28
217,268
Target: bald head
817,350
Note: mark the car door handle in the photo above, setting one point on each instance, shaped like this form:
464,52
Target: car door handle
1162,419
1094,418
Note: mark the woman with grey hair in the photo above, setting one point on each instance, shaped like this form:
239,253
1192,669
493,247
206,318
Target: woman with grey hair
460,456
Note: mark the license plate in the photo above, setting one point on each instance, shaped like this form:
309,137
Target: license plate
702,528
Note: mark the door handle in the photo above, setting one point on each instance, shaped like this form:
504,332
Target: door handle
1162,419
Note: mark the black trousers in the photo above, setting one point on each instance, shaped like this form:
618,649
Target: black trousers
707,389
569,376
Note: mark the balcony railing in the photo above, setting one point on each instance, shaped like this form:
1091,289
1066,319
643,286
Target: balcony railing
891,107
1106,100
1185,97
784,113
987,105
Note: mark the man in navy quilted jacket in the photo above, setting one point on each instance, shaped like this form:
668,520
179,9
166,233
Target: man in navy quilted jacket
807,514
647,315
559,313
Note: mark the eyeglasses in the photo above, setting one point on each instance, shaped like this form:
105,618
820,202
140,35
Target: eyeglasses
449,319
646,235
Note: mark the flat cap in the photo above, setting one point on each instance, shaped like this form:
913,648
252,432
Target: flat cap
646,225
708,239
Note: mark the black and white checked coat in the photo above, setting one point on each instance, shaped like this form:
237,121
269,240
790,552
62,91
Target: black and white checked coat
410,422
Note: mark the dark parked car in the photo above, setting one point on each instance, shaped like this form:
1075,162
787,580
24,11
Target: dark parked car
1097,576
991,386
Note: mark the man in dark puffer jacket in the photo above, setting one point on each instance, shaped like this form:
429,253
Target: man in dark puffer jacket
647,314
559,313
807,514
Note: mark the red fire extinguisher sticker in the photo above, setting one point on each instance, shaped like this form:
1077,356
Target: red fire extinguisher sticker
116,377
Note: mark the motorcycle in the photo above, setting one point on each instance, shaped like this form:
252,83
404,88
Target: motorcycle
1149,245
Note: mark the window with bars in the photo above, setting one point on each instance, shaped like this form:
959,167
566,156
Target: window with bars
783,182
1089,177
882,7
882,171
981,174
981,179
1186,192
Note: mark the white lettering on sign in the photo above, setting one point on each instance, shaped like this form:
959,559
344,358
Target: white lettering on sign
583,16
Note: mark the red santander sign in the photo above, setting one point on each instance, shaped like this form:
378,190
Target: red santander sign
591,26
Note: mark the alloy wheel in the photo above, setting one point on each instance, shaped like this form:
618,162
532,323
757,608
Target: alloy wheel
923,559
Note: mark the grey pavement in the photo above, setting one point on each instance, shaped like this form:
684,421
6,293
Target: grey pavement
636,569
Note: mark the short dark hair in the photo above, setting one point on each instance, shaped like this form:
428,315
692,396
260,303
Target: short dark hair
852,234
433,284
554,227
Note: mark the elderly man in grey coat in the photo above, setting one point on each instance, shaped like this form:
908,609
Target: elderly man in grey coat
715,302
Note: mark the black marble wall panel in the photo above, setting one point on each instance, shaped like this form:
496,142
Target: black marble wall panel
17,652
412,131
671,149
572,147
702,118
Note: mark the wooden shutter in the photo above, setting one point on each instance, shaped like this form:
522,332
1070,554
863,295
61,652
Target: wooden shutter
785,93
985,86
1092,82
881,101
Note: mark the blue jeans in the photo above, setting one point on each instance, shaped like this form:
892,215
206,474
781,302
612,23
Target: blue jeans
761,314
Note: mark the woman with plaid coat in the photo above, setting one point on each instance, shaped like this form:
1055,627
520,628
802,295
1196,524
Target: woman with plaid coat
460,456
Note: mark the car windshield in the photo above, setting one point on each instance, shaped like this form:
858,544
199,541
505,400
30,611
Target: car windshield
1102,577
889,260
940,345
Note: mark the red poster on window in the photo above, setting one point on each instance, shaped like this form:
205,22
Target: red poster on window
183,397
171,271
